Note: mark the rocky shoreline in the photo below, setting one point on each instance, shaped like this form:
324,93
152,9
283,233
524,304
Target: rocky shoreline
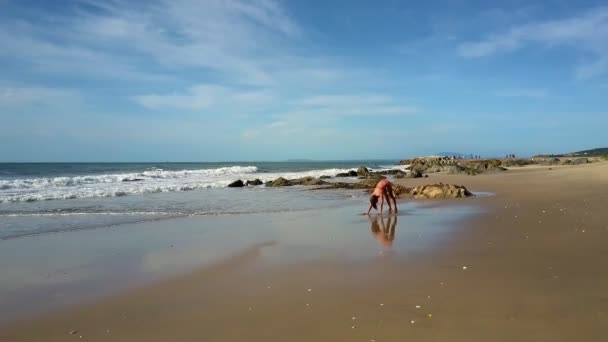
367,181
451,165
418,167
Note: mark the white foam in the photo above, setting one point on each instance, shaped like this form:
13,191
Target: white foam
153,181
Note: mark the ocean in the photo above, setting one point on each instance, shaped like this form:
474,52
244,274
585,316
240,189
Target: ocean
41,198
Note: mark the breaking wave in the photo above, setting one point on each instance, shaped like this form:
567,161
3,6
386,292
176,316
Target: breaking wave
145,182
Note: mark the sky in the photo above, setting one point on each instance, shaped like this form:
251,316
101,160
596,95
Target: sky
220,80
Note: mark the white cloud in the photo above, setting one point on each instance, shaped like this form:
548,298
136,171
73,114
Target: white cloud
277,124
587,32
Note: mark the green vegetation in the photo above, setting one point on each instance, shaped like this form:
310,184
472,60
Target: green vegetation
596,152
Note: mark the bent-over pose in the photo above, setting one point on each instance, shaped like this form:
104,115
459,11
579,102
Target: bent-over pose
383,189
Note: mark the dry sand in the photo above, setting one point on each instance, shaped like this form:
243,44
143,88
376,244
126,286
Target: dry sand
533,267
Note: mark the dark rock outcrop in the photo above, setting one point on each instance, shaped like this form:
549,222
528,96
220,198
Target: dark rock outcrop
254,182
324,177
307,181
133,180
415,174
299,181
475,167
236,184
453,166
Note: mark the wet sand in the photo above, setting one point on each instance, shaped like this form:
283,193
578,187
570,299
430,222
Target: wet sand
530,267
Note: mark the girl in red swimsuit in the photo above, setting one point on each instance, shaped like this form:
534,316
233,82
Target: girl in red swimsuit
383,189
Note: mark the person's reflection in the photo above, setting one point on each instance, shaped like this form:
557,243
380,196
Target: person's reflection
383,229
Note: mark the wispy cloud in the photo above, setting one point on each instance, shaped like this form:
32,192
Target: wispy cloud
586,32
21,96
530,93
351,105
125,39
202,97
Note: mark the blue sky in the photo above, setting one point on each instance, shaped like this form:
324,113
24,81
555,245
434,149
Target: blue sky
190,80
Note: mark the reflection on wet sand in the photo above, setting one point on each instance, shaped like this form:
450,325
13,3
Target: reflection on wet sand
383,229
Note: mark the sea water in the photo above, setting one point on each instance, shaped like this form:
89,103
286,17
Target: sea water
38,198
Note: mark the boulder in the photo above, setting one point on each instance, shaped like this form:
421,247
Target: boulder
254,182
362,171
236,184
474,167
415,174
389,172
435,191
351,173
324,177
279,182
132,179
369,183
307,181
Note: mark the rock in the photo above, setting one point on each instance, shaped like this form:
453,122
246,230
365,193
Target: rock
279,182
452,165
426,176
351,173
254,182
547,161
307,181
578,161
510,162
399,175
475,167
366,184
435,191
369,183
362,171
401,190
388,172
236,184
415,174
324,177
132,179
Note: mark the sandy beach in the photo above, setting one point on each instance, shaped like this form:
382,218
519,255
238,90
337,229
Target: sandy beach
529,265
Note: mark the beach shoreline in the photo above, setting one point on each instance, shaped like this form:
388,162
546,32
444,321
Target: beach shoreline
527,267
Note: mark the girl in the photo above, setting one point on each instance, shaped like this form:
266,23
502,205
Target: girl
383,189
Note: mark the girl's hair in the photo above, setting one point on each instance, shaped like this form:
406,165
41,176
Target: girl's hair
374,200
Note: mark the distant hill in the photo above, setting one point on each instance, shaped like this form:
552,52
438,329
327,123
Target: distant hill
596,152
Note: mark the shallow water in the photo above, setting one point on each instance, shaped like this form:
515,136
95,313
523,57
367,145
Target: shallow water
46,272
